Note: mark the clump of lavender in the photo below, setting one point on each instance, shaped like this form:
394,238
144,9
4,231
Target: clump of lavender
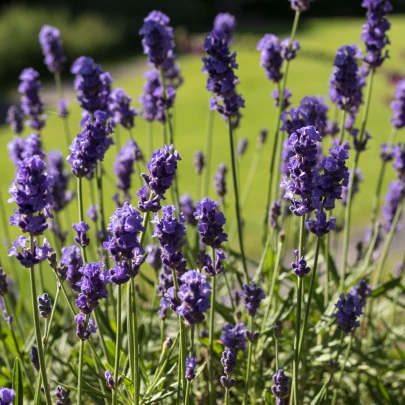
233,337
187,207
219,66
158,38
350,307
120,110
20,148
360,145
220,182
162,169
398,106
301,169
92,85
60,192
31,103
286,99
31,191
347,81
242,147
72,259
44,305
374,33
63,108
15,117
52,48
252,297
90,145
358,178
124,167
153,100
199,161
226,23
62,396
300,267
193,296
280,387
393,199
210,223
271,60
123,243
171,232
191,364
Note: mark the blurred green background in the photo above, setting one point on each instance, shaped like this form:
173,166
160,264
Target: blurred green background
107,31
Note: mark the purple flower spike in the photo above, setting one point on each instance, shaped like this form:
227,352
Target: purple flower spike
120,109
199,162
286,99
233,338
210,223
220,182
263,136
194,295
242,147
275,212
348,311
347,80
153,258
187,208
320,226
171,70
92,84
81,331
271,59
398,106
20,148
392,201
63,108
252,296
72,259
81,229
226,23
158,38
15,118
228,361
25,256
62,396
191,364
374,33
52,48
90,145
207,265
31,103
300,267
289,49
280,387
3,283
44,305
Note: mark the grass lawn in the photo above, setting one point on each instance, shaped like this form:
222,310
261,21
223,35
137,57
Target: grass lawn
309,75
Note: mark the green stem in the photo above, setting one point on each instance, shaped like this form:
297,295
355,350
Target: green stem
130,327
236,196
211,338
208,151
249,364
342,369
251,175
150,138
310,295
80,373
59,89
276,351
348,208
342,127
226,396
49,324
80,209
136,380
117,345
38,329
118,138
298,317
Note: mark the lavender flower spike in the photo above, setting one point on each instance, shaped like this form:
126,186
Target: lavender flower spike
252,296
15,118
271,59
220,182
120,109
52,48
199,161
280,387
124,167
398,106
191,363
226,23
44,305
62,396
393,199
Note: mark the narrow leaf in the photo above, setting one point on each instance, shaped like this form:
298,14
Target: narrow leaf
18,385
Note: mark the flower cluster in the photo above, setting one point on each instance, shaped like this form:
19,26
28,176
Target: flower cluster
286,99
194,294
84,328
393,199
44,305
271,59
210,223
274,214
242,147
19,148
219,66
228,361
191,364
199,162
31,191
72,259
374,32
280,387
62,396
347,81
34,359
252,296
171,232
15,118
60,193
92,84
27,257
154,257
123,243
120,109
187,207
165,282
233,337
31,103
92,287
399,160
220,182
301,168
300,267
3,283
226,23
171,70
398,106
158,38
289,48
207,265
90,146
52,48
81,229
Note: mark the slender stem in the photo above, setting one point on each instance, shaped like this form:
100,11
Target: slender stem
136,379
37,329
276,351
59,89
130,327
188,390
342,369
249,364
49,324
211,338
208,151
310,295
298,317
80,209
342,127
348,207
80,373
117,344
251,176
118,138
236,196
99,174
226,396
150,138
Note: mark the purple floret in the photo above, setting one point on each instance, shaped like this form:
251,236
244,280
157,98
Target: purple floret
393,199
398,106
15,117
52,48
271,60
72,259
226,23
233,337
252,296
120,109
